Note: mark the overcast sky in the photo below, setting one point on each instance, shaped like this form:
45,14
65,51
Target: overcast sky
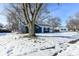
63,11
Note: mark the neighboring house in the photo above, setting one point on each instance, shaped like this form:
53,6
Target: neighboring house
61,29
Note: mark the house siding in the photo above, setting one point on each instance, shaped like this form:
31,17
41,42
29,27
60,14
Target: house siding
46,30
38,29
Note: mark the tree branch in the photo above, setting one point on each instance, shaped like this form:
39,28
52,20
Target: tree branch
25,13
36,11
30,9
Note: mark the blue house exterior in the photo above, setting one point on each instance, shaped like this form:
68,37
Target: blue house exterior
45,28
38,29
41,28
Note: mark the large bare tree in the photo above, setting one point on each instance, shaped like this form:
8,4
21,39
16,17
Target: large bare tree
30,12
34,12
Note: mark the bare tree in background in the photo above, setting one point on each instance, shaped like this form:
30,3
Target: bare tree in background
77,20
73,23
54,22
13,22
12,18
14,15
1,25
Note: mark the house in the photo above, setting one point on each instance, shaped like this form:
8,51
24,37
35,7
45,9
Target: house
42,28
63,29
39,28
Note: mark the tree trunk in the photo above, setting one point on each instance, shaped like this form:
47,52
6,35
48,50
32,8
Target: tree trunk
31,27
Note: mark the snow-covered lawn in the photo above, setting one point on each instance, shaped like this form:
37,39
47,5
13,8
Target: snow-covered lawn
72,50
47,44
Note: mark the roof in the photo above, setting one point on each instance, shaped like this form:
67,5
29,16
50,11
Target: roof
43,25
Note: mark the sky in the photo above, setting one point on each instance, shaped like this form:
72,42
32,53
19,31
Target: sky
63,11
3,18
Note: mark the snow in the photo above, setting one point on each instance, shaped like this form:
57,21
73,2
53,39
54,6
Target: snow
58,34
47,44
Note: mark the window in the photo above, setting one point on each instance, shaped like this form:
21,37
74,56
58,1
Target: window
46,30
